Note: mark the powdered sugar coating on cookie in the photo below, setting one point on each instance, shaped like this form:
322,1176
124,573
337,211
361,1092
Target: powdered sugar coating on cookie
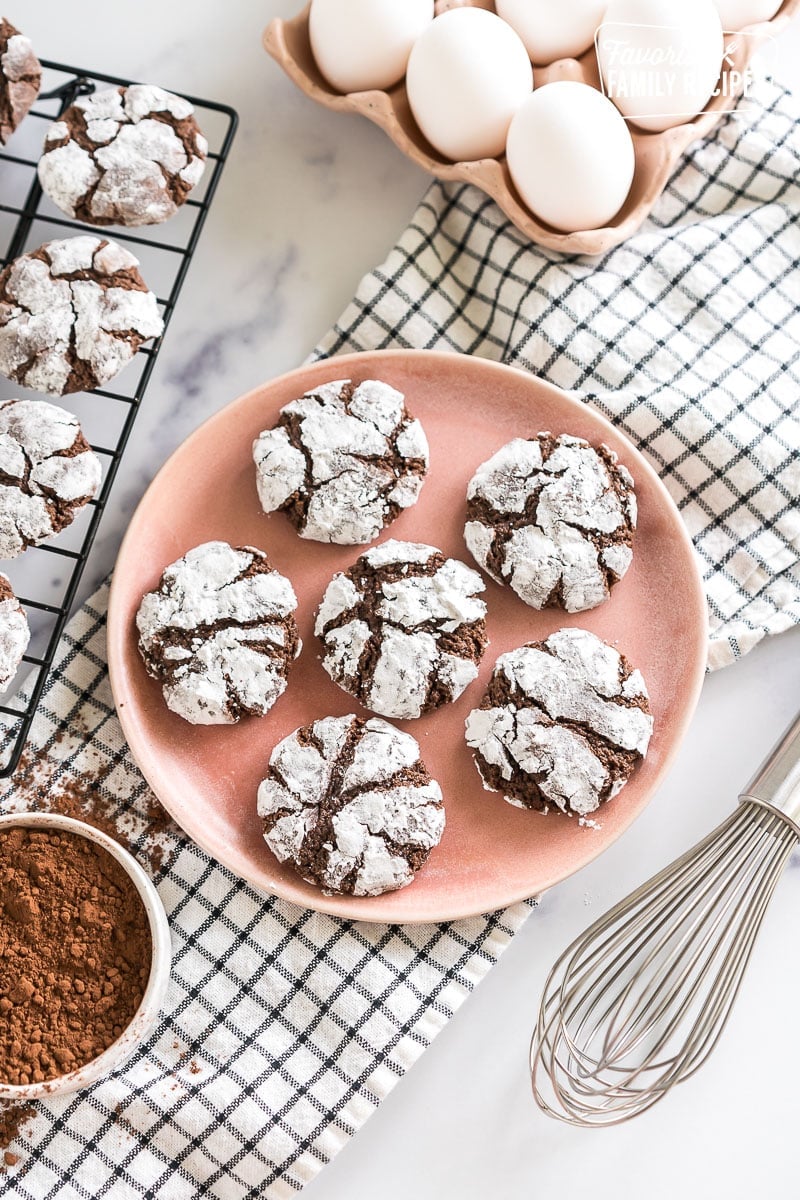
349,804
14,633
128,156
342,462
219,634
20,78
403,629
72,314
554,519
564,722
47,473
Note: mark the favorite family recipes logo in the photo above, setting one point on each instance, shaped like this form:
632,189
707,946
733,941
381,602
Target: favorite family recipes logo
662,75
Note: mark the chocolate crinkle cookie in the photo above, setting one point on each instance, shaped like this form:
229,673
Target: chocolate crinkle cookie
403,629
125,156
14,633
553,517
563,723
342,462
72,314
350,805
20,78
48,472
219,634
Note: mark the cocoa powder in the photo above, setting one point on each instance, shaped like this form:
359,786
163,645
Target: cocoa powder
12,1119
46,786
75,952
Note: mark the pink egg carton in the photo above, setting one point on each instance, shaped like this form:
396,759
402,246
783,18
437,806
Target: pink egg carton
656,153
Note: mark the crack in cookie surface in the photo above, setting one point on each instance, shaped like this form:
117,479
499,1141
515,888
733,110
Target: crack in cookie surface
554,518
404,628
563,723
219,634
73,313
48,472
351,806
127,156
20,78
343,461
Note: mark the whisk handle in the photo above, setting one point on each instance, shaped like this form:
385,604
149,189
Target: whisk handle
776,783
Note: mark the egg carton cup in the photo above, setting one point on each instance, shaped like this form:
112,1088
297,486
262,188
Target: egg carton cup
289,44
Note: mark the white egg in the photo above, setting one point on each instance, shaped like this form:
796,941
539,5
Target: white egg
363,44
571,156
735,14
467,75
660,59
551,30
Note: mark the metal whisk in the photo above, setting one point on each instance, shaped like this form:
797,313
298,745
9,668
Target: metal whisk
639,1001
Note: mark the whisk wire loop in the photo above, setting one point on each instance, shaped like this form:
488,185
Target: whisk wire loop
640,1000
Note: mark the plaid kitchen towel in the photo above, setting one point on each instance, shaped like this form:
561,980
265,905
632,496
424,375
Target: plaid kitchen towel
284,1029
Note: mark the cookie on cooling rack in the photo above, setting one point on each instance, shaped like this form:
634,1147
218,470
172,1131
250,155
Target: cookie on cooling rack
342,462
124,156
14,633
554,518
219,634
20,78
403,629
48,472
72,314
563,724
350,805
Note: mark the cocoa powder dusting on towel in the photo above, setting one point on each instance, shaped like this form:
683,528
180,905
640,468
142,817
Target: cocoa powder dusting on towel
43,783
12,1118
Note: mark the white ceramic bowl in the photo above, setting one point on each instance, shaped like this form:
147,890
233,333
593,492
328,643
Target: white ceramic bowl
148,1011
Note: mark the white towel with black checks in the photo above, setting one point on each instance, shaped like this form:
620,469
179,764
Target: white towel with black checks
284,1029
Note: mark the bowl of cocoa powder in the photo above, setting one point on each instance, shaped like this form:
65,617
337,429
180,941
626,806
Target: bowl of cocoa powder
84,955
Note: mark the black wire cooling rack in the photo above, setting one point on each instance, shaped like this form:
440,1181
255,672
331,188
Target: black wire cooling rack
47,588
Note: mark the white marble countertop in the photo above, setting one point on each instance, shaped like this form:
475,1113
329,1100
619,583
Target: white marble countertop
310,201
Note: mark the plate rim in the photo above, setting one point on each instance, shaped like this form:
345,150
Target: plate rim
340,905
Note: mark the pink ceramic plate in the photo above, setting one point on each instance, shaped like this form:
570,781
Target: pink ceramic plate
491,854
